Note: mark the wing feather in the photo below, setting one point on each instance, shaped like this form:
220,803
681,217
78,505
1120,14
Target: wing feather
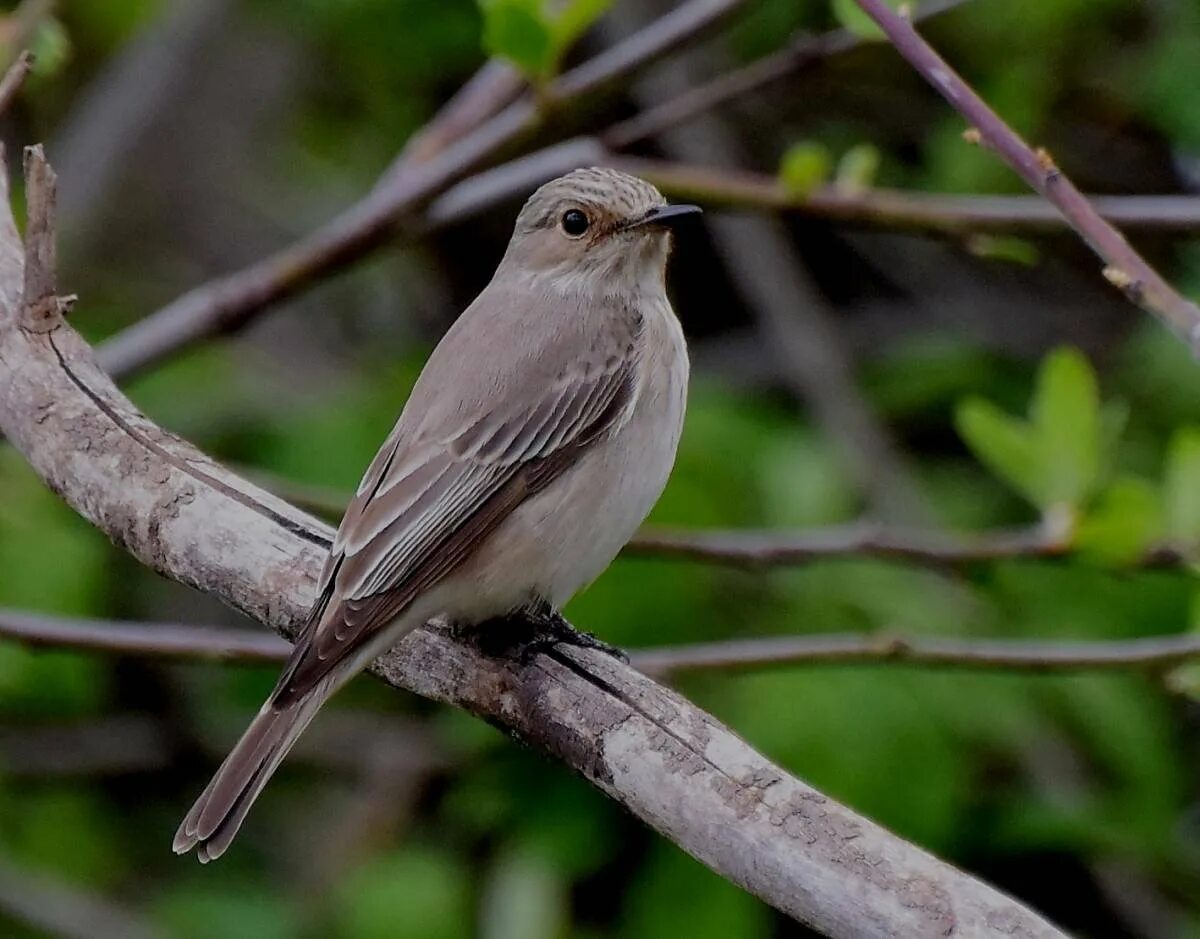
425,505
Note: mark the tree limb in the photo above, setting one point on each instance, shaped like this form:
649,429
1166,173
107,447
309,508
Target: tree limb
1125,268
667,761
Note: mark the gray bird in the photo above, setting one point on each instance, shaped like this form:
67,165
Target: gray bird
539,435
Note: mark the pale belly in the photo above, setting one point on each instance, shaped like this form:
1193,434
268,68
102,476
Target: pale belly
564,537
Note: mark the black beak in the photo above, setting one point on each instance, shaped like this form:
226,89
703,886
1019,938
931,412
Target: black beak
667,216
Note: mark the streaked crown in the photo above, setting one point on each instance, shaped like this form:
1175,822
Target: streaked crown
609,194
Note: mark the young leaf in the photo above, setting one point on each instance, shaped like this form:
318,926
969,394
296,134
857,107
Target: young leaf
1004,444
1065,414
1008,248
518,30
852,17
1125,523
804,167
857,168
1181,486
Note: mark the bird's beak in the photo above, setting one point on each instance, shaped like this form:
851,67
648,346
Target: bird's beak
665,216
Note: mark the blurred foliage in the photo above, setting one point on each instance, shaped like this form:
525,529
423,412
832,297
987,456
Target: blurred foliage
1037,781
535,34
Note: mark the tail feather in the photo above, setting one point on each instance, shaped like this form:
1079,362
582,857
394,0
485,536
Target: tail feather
217,815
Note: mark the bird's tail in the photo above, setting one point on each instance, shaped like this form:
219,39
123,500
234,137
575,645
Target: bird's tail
219,812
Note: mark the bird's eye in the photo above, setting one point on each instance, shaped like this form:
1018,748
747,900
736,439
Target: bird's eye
574,223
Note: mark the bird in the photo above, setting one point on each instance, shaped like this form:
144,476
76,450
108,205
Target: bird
539,435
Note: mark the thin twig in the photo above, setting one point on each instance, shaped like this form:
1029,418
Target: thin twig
801,51
906,211
488,91
227,303
208,643
1125,268
155,640
1156,652
53,907
760,549
14,79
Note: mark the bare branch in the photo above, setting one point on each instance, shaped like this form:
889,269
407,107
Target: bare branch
906,211
14,79
200,643
228,303
41,307
1125,268
762,548
1156,652
492,88
150,640
801,51
667,761
66,911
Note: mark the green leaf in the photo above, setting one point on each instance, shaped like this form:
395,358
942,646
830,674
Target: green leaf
1065,414
804,168
852,17
51,47
1004,248
1181,486
519,31
1124,525
1004,444
857,168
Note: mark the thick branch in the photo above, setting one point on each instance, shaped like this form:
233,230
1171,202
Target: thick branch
668,762
1125,268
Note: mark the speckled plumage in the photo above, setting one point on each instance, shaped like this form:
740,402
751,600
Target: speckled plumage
539,435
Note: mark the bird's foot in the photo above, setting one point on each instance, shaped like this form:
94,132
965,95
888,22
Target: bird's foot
524,634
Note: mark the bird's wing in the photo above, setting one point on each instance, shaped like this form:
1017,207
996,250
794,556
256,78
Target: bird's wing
424,505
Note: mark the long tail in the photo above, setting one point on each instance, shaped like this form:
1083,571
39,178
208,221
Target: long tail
219,812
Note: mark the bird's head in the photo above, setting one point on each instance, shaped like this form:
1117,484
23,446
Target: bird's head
596,229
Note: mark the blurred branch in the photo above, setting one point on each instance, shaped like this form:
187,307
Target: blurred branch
1125,268
154,640
229,302
492,88
64,910
189,643
1157,652
906,211
657,754
14,79
765,548
802,50
760,548
118,107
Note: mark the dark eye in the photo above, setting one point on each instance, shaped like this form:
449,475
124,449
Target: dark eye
574,222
